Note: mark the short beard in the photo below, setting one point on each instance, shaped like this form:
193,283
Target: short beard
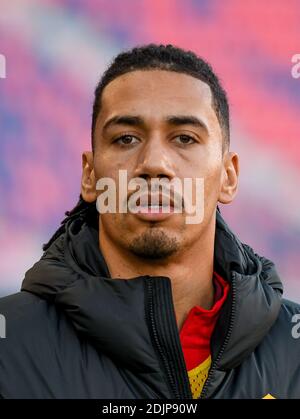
154,244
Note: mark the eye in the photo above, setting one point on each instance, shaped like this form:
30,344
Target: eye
126,140
184,139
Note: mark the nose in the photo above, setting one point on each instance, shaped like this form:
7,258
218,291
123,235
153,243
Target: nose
155,161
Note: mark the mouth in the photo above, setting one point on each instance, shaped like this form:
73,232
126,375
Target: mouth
154,207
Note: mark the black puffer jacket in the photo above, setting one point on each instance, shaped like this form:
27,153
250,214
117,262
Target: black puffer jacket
74,332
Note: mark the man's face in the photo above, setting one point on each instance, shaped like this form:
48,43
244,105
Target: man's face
153,140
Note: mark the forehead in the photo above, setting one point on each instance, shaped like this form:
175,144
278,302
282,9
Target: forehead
154,92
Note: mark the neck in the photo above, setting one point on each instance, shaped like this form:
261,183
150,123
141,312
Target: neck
190,272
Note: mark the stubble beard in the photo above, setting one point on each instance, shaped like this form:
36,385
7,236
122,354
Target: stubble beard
154,244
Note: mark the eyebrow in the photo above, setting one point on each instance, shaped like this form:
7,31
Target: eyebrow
187,120
138,121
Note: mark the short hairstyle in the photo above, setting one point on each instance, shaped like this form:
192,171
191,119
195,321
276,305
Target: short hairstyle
169,58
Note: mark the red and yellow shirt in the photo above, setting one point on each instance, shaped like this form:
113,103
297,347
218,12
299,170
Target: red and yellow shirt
195,337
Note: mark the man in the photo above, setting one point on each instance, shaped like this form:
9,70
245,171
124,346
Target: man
143,304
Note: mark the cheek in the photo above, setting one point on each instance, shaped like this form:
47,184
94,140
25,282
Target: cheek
107,168
203,161
212,188
108,161
210,170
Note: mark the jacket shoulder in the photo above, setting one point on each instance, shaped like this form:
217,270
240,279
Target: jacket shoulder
288,318
28,318
25,316
36,333
20,305
283,339
289,308
22,312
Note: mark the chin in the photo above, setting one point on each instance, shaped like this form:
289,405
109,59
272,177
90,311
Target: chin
154,244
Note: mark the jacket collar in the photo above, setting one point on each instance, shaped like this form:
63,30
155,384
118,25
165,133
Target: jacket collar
255,297
73,274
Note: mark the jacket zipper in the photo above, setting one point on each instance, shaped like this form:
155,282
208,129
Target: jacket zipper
217,360
167,368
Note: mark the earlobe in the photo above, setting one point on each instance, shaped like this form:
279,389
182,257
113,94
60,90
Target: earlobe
88,183
230,176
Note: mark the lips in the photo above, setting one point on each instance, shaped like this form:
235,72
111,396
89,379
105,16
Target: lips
156,209
155,202
150,207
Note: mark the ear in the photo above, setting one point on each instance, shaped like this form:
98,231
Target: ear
88,182
230,177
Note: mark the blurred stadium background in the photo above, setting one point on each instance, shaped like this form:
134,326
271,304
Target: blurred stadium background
55,53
